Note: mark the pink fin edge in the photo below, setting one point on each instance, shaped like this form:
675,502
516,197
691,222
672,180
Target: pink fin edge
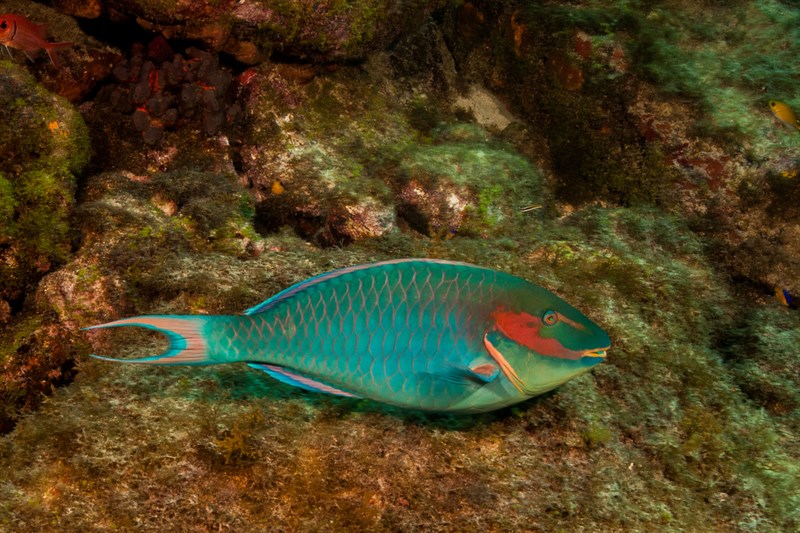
187,345
290,378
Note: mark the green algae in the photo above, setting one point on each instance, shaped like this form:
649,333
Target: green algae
49,146
689,425
162,220
7,202
501,180
355,146
756,351
349,27
661,431
707,436
344,129
595,147
323,30
729,59
45,145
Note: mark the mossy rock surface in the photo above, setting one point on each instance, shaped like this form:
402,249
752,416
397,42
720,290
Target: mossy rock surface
253,31
341,160
659,436
668,215
459,181
44,144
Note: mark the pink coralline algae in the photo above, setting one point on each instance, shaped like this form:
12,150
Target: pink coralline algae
162,88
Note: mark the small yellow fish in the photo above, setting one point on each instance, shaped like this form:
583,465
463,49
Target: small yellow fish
784,113
278,188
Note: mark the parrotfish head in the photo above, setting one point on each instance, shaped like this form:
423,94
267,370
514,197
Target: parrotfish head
540,341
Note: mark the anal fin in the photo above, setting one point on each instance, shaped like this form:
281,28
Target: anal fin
296,380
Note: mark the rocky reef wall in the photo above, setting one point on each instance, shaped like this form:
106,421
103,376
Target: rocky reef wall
198,157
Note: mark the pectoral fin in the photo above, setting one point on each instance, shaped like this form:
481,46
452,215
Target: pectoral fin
486,372
479,372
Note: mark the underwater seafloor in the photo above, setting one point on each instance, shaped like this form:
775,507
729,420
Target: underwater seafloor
198,157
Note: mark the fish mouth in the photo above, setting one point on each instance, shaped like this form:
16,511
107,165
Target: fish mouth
512,375
597,352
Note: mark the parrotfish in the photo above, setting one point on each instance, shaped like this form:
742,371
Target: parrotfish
784,113
18,32
416,333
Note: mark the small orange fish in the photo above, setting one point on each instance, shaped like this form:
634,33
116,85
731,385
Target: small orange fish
277,187
18,32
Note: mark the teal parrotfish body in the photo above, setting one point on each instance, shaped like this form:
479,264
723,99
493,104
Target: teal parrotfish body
416,333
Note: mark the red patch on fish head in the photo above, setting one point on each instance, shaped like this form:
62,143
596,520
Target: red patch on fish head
526,329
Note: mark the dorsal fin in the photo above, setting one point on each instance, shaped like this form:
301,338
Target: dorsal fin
310,282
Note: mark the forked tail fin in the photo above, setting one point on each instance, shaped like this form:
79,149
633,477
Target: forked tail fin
186,333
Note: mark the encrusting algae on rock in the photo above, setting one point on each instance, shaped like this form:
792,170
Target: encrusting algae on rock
651,218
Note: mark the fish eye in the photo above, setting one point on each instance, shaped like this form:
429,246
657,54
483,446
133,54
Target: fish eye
550,318
3,25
